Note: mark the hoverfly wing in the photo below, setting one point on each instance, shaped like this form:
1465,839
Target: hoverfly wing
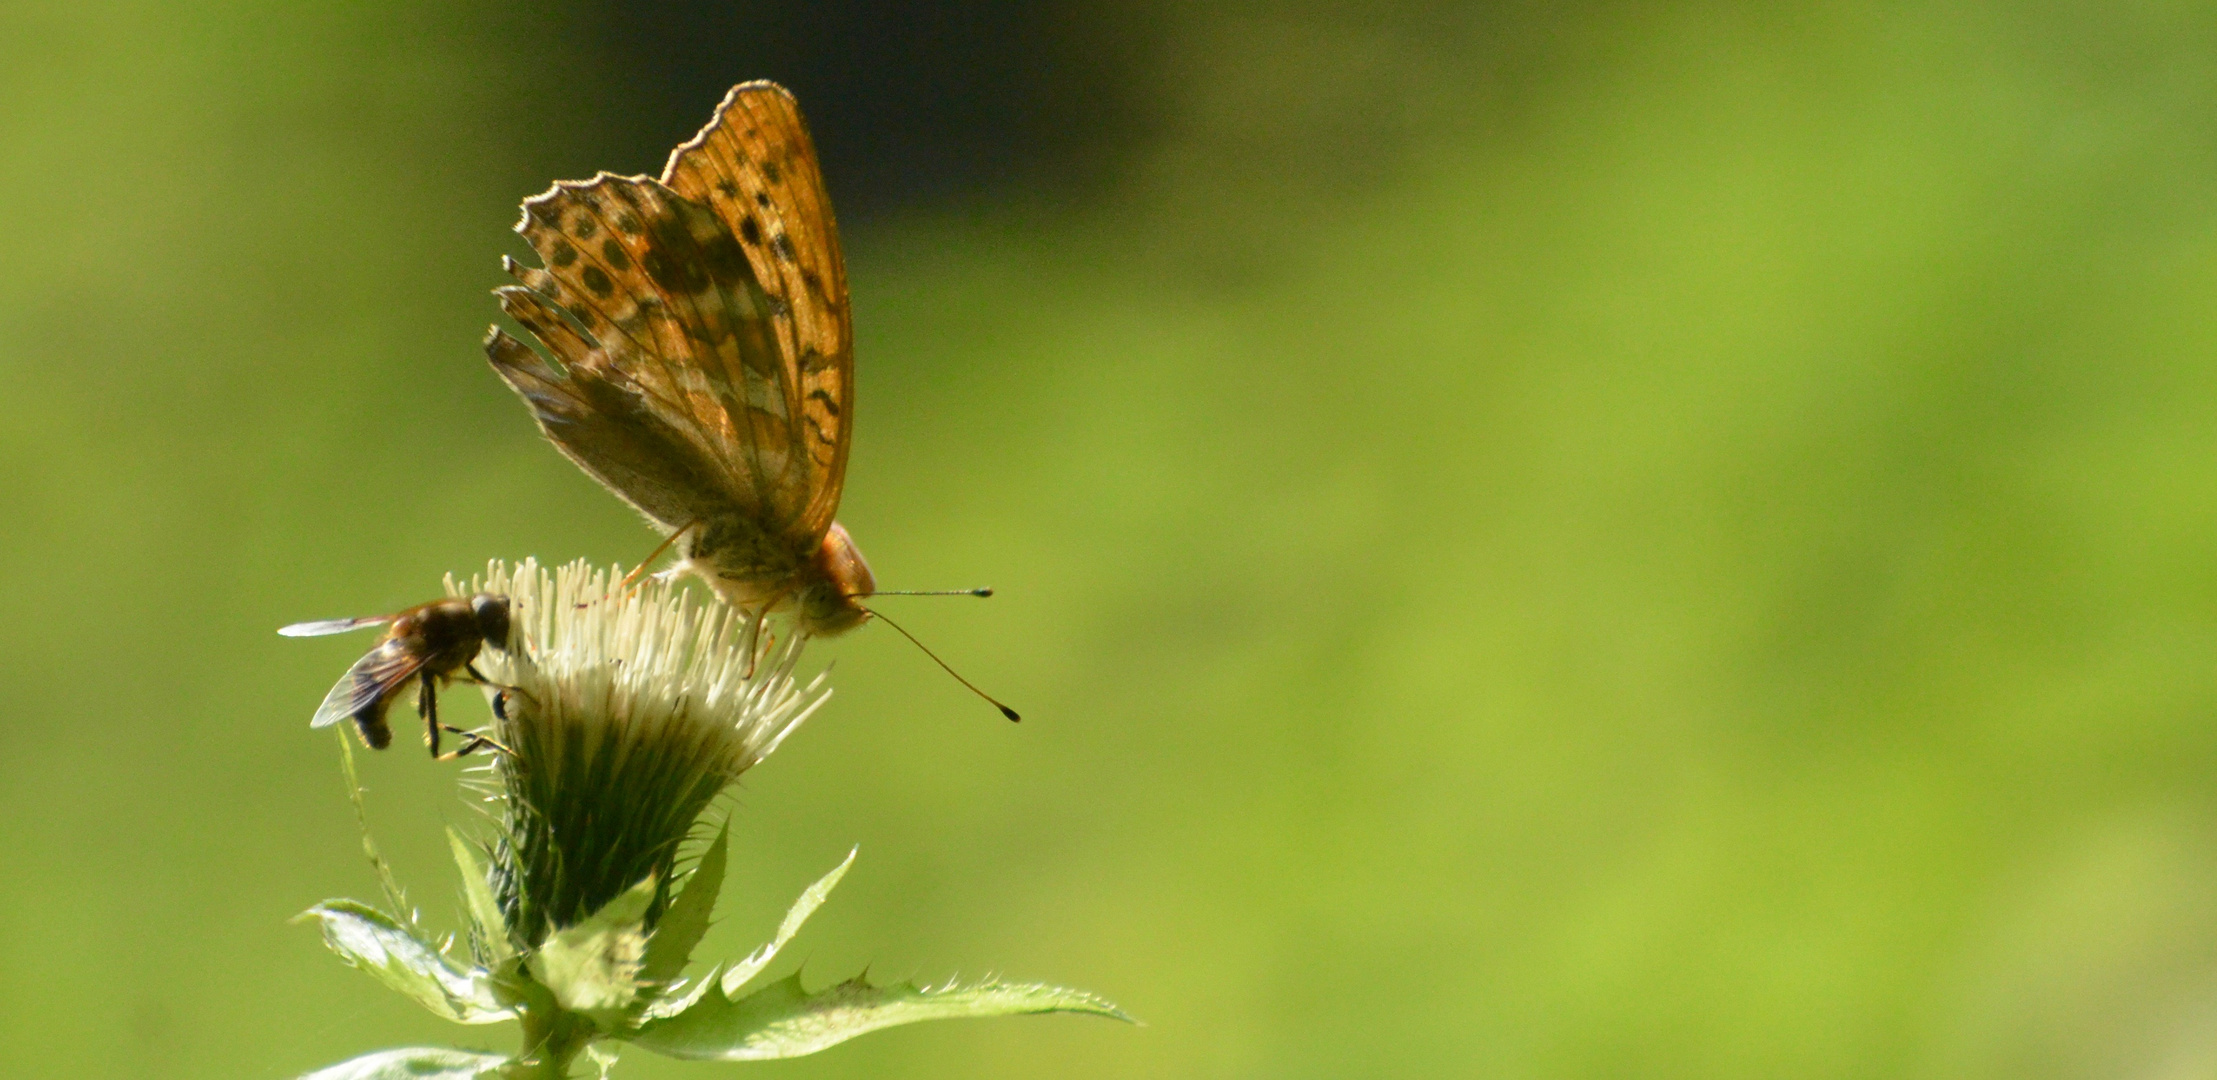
360,694
332,626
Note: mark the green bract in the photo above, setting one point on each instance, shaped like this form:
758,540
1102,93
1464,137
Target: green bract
624,718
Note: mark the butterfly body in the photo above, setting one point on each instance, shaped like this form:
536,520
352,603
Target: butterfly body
706,364
819,588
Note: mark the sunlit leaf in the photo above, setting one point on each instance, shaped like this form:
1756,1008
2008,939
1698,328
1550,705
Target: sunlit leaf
413,1063
782,1020
477,894
373,941
593,967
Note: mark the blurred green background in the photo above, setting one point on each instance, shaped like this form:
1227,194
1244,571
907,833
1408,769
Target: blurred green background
1534,540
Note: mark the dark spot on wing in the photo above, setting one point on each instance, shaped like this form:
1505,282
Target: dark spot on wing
726,260
618,258
597,281
669,258
762,198
770,170
564,254
660,268
750,230
824,396
728,189
625,223
783,246
673,274
585,226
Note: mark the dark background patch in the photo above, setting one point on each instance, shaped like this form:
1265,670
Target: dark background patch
909,103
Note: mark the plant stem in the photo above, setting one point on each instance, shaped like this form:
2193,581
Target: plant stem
552,1038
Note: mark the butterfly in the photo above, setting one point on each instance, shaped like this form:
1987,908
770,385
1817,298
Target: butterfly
701,323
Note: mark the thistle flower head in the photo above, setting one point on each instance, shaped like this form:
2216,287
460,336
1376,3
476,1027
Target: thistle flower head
619,716
624,716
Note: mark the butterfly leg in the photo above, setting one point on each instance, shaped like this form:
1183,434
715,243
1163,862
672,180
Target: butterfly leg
753,642
623,588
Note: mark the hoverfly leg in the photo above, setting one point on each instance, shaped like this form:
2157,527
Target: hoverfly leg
500,700
427,707
472,741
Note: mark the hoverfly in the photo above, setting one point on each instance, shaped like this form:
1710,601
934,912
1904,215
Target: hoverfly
430,645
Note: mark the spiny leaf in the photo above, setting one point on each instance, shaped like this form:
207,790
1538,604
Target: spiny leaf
782,1020
681,926
811,898
738,975
413,1063
375,942
477,894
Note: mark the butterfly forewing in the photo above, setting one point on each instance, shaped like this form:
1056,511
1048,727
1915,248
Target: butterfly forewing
755,164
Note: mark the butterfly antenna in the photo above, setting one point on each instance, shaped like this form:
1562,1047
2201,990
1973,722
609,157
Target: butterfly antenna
987,591
994,701
631,580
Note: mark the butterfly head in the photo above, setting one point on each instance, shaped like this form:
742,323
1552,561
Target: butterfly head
831,602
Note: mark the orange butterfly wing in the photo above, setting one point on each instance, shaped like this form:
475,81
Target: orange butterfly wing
755,165
702,326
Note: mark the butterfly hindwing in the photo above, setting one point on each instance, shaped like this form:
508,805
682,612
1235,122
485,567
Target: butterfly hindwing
612,434
667,313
